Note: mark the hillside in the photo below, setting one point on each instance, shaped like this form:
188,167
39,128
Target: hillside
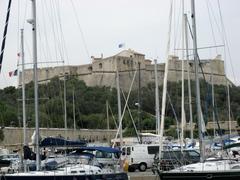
91,109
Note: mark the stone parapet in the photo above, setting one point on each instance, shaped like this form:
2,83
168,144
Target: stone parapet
101,72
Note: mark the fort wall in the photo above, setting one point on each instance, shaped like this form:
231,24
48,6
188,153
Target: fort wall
102,71
14,136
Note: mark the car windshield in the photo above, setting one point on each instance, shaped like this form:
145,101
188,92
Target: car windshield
172,155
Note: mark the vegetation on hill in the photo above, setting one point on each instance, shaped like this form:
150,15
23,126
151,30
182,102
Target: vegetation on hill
90,105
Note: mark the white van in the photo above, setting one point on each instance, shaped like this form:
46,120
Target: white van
139,156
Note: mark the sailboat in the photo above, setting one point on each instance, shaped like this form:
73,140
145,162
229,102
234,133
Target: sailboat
74,171
220,169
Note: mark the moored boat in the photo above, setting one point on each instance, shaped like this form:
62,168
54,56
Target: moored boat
76,172
214,169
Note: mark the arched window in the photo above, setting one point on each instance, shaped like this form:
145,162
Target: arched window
90,68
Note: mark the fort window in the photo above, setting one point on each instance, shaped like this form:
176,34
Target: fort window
124,61
90,68
100,65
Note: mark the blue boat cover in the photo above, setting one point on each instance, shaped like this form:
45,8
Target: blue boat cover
100,148
228,146
60,142
81,154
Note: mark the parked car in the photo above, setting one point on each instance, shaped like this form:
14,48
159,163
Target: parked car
171,159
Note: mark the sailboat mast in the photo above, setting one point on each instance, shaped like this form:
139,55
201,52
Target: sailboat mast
182,102
5,33
119,108
35,77
229,109
198,102
108,126
23,90
163,108
23,96
213,103
188,73
164,93
74,114
65,101
139,101
157,99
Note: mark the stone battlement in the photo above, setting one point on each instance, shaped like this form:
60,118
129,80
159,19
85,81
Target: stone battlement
102,71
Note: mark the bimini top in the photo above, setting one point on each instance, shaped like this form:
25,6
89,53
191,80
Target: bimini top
61,142
100,148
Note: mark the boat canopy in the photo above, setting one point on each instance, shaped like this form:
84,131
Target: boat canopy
60,142
100,148
237,144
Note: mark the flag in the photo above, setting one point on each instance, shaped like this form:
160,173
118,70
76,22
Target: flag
121,45
13,73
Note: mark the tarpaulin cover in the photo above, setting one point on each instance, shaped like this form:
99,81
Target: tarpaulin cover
60,142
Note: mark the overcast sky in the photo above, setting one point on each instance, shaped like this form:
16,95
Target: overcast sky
75,30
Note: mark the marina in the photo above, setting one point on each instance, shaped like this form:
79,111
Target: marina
124,114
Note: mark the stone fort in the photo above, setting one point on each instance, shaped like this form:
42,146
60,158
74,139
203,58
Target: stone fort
102,71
